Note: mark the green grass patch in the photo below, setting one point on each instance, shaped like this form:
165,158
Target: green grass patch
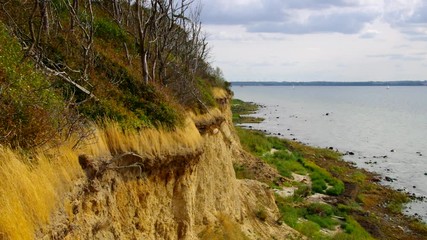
240,109
310,219
397,202
307,218
257,143
352,231
321,214
287,162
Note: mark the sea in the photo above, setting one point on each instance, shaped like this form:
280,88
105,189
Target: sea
382,129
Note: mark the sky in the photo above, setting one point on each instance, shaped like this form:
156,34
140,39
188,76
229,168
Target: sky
317,40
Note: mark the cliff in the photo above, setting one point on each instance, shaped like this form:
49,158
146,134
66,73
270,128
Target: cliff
88,151
187,193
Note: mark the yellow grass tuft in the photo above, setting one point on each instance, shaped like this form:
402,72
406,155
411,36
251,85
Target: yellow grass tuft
149,142
207,118
30,188
219,93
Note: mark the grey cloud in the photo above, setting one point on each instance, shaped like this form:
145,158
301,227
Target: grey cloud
418,38
410,30
415,32
420,15
278,16
269,10
412,23
272,10
346,23
316,4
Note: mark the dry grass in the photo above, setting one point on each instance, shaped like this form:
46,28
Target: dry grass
219,93
207,118
30,189
148,142
223,230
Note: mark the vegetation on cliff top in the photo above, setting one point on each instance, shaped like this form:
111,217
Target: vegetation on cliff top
140,63
354,205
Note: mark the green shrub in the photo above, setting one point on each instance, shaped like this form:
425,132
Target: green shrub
318,182
32,112
109,30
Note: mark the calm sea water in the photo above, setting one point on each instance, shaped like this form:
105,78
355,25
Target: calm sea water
372,122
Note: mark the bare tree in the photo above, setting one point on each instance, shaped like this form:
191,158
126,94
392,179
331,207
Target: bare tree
86,24
144,18
75,7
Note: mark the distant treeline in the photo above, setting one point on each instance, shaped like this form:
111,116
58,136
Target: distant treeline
324,83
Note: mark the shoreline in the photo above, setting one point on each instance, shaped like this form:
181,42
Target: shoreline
380,178
379,207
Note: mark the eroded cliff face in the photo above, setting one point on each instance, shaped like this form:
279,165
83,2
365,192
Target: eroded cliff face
191,196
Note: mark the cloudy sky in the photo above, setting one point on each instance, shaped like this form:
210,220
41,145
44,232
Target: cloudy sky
318,40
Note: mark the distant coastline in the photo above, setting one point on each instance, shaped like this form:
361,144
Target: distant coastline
326,83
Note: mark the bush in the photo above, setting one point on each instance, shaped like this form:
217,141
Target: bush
108,30
31,111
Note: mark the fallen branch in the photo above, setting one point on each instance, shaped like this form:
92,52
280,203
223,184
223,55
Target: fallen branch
64,76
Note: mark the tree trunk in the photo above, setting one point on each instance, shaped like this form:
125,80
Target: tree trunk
75,7
142,51
44,16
